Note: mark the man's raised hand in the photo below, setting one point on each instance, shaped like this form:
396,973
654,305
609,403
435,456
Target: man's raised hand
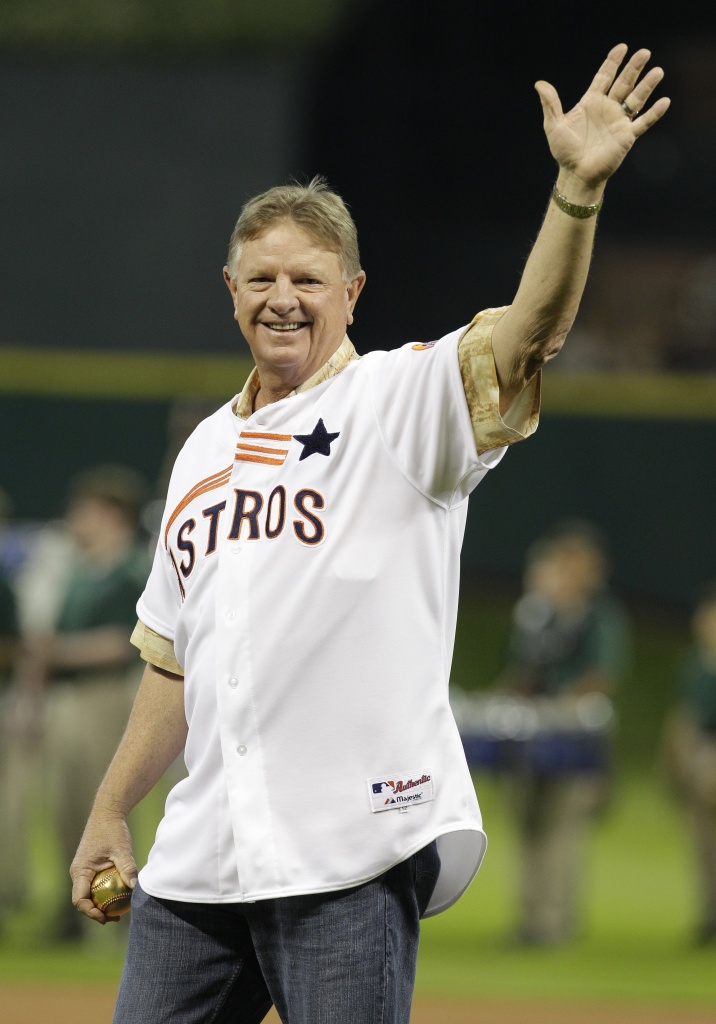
592,139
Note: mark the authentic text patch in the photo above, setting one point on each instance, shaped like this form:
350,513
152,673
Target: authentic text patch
390,792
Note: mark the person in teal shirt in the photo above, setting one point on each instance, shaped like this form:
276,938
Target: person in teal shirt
85,669
690,749
9,630
13,875
567,649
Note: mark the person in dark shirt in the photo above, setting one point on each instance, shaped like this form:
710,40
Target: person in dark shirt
690,749
9,627
12,876
567,648
86,667
12,873
9,630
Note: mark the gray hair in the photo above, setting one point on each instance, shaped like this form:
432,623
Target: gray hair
313,207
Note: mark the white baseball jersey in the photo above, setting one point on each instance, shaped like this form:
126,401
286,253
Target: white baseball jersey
307,574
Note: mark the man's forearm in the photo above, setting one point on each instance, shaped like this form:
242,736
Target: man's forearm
155,736
556,272
533,329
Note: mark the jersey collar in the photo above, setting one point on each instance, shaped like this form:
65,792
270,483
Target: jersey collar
344,354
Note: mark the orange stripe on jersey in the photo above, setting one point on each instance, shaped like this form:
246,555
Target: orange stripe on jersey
209,484
203,486
265,437
239,457
262,449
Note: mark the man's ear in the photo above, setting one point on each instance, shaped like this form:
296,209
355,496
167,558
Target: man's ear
231,285
230,282
354,289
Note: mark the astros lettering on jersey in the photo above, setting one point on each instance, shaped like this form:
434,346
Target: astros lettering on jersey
307,575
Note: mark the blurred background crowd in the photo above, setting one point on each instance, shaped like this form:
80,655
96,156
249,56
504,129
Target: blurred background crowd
129,139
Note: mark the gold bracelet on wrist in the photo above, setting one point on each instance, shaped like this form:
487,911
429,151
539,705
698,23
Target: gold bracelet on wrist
582,212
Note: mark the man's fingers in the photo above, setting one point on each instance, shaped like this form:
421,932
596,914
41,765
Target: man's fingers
551,104
83,902
629,76
86,906
639,96
127,869
644,122
636,98
83,877
604,78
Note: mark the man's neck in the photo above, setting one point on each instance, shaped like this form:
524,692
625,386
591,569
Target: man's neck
275,384
270,391
261,390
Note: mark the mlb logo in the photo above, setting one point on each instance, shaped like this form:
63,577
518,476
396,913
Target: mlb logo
378,787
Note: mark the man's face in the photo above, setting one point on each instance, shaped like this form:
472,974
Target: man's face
291,302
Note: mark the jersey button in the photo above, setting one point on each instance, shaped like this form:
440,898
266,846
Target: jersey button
233,682
242,751
231,615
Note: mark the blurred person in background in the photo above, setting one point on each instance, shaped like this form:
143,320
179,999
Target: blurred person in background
567,649
9,628
12,874
689,748
13,545
40,583
78,670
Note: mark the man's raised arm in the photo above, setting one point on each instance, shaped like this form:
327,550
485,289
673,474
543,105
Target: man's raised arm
589,143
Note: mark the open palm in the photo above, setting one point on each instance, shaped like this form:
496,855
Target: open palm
592,139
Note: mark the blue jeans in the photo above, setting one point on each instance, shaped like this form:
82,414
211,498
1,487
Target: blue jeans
345,957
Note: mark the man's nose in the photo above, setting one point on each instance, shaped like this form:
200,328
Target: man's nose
283,297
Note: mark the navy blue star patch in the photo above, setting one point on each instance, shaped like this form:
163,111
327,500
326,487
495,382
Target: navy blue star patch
318,442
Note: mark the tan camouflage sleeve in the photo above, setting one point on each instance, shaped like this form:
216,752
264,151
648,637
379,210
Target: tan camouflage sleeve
482,391
155,649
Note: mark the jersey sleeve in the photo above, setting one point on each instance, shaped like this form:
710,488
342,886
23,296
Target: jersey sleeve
443,432
160,604
482,391
156,649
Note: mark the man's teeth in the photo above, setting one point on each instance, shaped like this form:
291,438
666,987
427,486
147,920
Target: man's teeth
285,327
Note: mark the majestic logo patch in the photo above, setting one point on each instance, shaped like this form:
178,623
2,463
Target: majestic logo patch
421,346
318,442
400,791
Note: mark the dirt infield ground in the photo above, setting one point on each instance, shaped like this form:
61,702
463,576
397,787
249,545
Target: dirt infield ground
74,1005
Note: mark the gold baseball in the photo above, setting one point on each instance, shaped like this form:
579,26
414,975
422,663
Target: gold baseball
110,893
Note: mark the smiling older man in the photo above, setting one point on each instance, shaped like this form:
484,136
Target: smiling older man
299,619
